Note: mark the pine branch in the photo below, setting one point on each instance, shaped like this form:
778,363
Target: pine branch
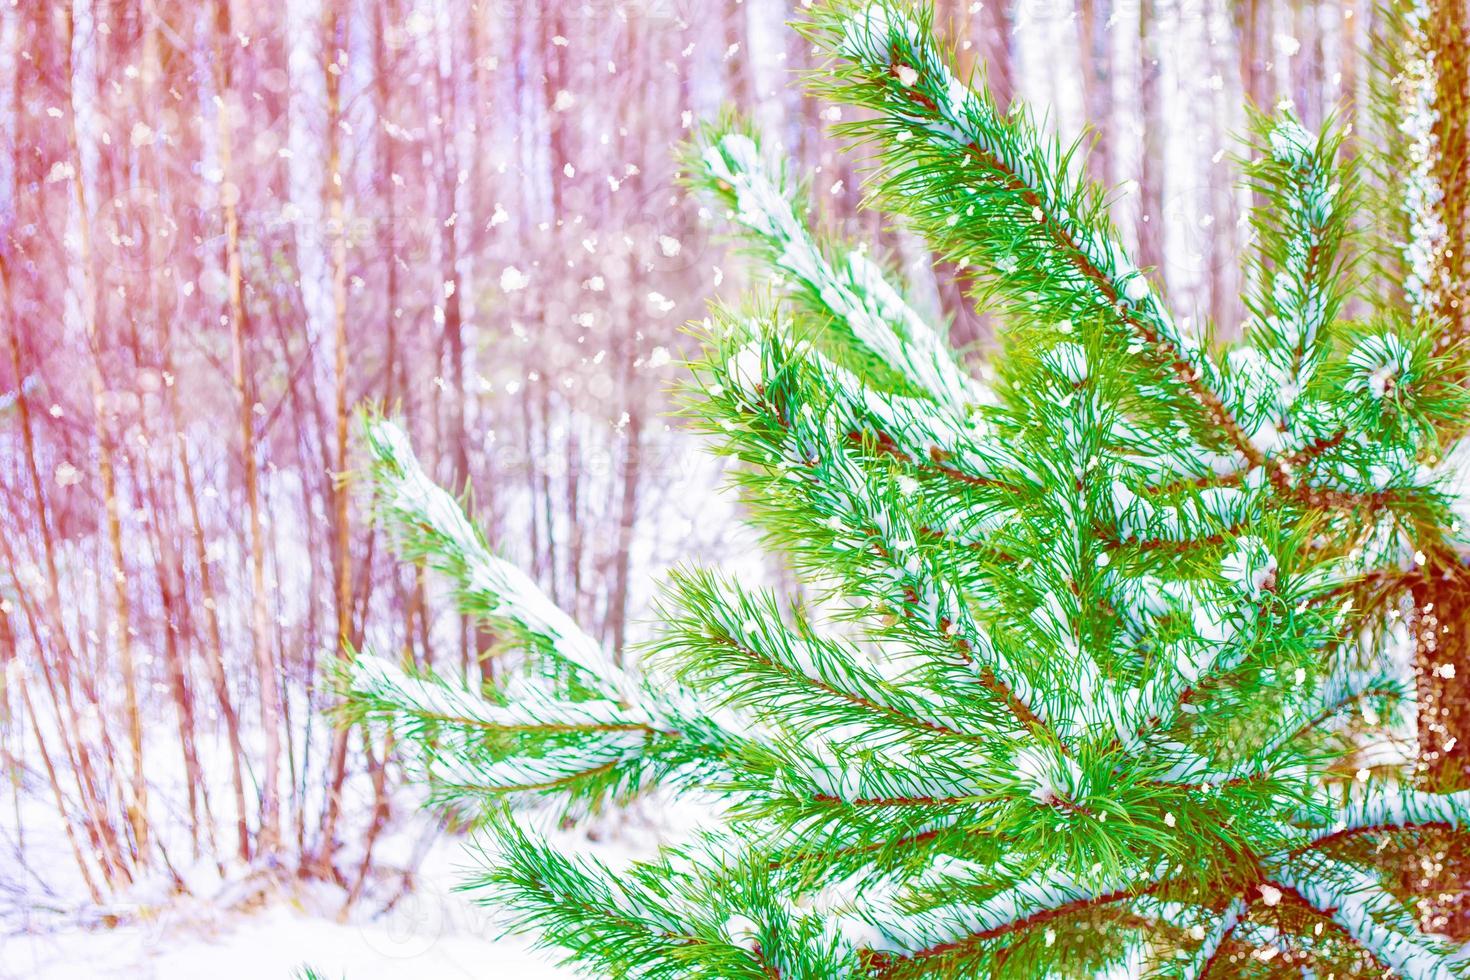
1300,271
1387,807
1197,964
731,643
1371,917
840,518
1087,700
857,301
429,525
375,685
950,932
704,916
986,187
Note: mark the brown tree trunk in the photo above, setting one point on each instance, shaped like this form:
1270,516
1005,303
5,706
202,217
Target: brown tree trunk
1252,36
736,57
1445,688
268,834
995,47
1095,41
59,681
102,835
169,576
548,514
61,807
384,14
617,603
1441,630
1221,248
1151,177
335,43
1351,107
1442,648
137,802
1448,30
627,521
577,601
214,659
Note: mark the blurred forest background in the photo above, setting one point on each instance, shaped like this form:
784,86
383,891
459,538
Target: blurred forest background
226,224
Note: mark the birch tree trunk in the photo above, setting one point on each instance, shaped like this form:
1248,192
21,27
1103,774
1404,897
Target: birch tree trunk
268,833
137,802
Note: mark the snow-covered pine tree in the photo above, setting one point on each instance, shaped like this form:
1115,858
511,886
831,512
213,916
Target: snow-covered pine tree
1082,684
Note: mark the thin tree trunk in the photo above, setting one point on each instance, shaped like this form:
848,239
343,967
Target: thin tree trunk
169,576
736,57
137,803
59,682
574,518
102,836
214,646
377,768
268,835
57,795
1351,107
996,27
384,13
168,563
1221,246
333,67
627,521
1095,43
1253,35
617,604
1151,163
544,403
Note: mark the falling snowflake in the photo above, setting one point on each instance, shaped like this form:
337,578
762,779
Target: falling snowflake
513,279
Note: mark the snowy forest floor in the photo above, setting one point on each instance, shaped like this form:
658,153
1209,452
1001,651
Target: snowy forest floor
233,931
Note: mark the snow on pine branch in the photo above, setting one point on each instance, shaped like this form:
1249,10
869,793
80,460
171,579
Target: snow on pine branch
620,732
935,438
915,935
1062,696
430,524
856,294
375,681
1193,968
990,189
697,910
1299,234
883,536
467,747
1394,806
1366,912
469,744
732,643
874,532
1375,691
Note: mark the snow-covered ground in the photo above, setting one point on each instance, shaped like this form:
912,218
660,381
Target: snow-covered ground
427,935
231,930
